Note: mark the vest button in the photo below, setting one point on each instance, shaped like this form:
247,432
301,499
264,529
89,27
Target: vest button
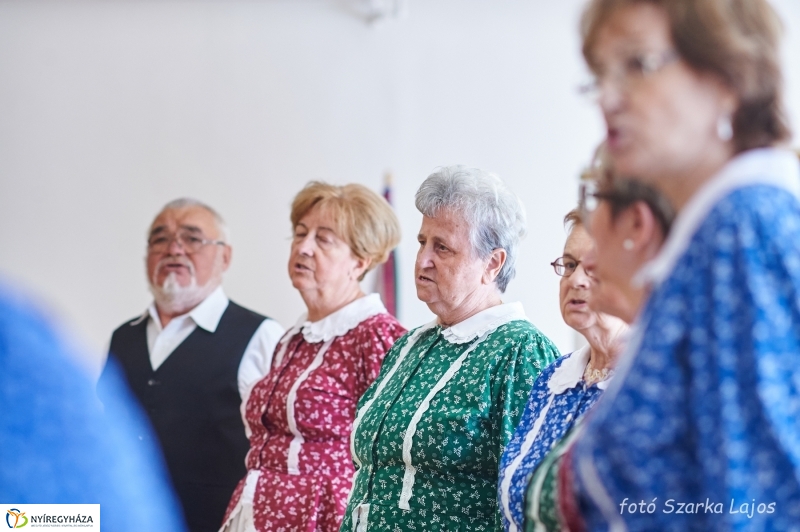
152,382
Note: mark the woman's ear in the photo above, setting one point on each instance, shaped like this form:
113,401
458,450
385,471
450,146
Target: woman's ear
361,268
642,227
495,263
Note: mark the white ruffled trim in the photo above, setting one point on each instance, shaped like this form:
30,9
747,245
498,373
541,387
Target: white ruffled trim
485,320
408,440
241,518
537,488
764,166
360,517
293,461
564,377
346,318
381,385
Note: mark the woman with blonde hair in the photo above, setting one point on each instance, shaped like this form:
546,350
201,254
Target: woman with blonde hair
299,416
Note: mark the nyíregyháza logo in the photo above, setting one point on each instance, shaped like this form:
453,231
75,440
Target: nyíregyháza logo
19,518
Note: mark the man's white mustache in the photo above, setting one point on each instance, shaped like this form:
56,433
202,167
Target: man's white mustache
173,260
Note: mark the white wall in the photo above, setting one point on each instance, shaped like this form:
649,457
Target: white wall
110,109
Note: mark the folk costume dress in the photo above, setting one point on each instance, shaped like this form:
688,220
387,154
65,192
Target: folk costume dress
543,508
431,428
300,416
559,398
703,420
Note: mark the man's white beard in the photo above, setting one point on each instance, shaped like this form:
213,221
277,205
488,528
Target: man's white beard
175,299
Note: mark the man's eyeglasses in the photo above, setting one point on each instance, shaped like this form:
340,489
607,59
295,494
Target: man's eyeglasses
628,72
190,243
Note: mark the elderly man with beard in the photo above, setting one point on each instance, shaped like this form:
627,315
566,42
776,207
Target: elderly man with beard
192,358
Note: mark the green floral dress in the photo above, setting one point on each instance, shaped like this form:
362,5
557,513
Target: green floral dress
430,430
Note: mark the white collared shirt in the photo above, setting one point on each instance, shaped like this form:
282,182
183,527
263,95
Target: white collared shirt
257,358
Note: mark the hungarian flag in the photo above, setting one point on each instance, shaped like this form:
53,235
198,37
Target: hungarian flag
387,276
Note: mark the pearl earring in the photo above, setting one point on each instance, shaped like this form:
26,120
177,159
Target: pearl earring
724,128
627,244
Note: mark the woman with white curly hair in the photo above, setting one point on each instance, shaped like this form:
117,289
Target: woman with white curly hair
430,430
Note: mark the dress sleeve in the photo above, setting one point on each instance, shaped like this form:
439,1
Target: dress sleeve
377,335
711,386
524,358
527,357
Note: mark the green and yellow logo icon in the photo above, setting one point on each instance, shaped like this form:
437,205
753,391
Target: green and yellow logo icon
18,516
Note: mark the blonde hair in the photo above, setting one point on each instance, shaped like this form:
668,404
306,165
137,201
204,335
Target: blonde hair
736,40
363,219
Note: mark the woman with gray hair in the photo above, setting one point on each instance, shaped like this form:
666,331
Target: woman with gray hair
430,430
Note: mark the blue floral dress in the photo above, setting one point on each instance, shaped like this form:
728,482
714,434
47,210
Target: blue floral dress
700,429
559,398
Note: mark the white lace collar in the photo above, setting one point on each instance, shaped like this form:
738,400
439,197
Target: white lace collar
483,321
570,372
346,318
768,166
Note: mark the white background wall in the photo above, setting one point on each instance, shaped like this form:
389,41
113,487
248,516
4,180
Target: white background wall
110,109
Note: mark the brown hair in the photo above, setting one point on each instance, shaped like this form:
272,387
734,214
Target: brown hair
621,193
573,219
363,219
737,40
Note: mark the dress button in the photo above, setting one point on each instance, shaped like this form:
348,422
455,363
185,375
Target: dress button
152,382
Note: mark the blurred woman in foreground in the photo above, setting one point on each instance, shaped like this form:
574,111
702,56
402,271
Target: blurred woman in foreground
705,410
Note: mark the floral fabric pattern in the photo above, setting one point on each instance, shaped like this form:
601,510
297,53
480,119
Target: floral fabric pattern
561,411
707,410
432,427
300,416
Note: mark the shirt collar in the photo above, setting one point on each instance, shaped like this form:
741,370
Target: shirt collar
338,323
570,372
485,320
206,315
763,166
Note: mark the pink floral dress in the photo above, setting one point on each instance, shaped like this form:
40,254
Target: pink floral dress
299,419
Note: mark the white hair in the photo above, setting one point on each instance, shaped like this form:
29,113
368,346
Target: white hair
182,203
495,215
173,297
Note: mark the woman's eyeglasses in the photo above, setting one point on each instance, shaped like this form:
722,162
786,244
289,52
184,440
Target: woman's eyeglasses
565,266
626,73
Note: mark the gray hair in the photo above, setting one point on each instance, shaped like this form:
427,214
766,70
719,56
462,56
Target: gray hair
495,215
182,203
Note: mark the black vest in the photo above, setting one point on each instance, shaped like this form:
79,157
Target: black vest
193,403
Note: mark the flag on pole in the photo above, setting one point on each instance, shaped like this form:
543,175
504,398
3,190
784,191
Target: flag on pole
387,276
